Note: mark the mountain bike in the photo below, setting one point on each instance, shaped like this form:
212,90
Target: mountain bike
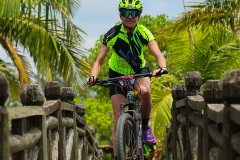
130,143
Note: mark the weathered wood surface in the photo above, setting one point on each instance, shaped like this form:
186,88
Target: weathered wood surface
215,112
235,113
27,140
20,112
196,102
205,119
45,127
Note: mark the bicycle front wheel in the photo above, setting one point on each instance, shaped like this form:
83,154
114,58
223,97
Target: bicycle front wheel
126,138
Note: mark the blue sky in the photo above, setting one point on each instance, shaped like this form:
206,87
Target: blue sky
96,17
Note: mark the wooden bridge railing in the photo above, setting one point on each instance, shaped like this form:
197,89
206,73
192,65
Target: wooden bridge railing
205,119
45,128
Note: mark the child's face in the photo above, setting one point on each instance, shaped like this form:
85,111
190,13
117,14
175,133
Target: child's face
129,22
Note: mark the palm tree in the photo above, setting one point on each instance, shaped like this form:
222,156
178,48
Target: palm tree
45,31
211,12
206,40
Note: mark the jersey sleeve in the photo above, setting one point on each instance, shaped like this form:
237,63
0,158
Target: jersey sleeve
109,36
147,35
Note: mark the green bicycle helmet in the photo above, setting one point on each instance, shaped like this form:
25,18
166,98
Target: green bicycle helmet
130,4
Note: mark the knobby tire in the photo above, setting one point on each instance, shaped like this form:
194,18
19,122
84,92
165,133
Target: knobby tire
126,138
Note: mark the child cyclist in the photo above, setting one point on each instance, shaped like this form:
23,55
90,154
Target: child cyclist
127,40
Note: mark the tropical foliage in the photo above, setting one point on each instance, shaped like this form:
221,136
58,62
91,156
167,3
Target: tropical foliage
206,39
44,31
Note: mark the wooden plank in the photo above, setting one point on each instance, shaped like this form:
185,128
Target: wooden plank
82,120
215,134
106,148
215,112
19,127
81,132
67,106
43,145
196,102
62,135
27,140
23,112
67,122
51,106
181,103
51,122
235,113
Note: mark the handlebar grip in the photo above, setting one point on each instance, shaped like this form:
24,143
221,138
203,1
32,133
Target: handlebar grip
103,83
164,72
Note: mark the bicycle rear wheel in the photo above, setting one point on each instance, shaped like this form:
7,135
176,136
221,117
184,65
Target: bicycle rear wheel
126,138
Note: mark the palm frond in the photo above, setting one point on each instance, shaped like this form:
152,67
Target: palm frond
161,115
162,101
9,8
23,67
210,13
46,32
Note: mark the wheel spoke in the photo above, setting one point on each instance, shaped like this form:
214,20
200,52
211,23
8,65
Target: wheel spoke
130,141
127,138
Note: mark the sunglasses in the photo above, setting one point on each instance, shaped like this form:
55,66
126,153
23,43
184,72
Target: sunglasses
127,12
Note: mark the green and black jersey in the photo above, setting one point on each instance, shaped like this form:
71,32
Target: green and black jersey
128,55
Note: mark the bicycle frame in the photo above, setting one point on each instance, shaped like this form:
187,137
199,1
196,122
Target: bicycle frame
134,110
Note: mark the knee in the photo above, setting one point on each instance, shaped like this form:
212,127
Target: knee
145,92
145,89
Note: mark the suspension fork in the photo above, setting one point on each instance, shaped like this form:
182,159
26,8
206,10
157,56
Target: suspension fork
139,129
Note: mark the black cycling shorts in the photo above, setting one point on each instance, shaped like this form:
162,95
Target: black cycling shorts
115,88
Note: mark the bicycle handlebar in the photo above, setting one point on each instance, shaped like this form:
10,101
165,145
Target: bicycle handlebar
107,82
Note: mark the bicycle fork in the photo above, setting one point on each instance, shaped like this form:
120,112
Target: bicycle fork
139,134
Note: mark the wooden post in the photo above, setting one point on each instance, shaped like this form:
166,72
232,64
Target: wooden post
52,92
81,112
231,94
193,82
93,141
32,95
4,118
178,93
212,95
66,95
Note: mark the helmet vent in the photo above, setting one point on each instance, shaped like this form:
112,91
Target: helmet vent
137,2
130,1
